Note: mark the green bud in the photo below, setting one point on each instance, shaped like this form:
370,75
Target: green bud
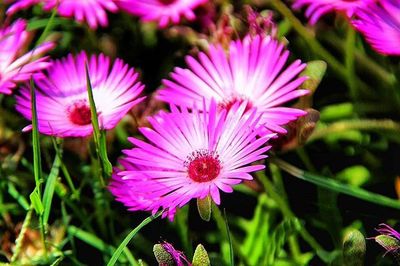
204,208
200,257
354,248
162,256
315,71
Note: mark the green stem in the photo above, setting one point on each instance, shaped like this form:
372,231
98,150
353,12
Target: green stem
128,238
269,187
219,220
336,186
364,124
364,63
349,62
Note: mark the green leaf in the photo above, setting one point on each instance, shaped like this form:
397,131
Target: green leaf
128,238
36,202
50,187
37,164
333,185
204,208
200,257
98,135
17,196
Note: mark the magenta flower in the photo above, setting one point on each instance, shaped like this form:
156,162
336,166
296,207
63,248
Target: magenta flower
385,229
15,66
380,24
317,8
190,155
92,11
161,11
252,71
61,97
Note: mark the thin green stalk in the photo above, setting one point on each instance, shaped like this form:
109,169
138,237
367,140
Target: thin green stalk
20,239
349,62
228,233
364,63
333,185
98,135
310,38
286,211
128,238
36,195
219,220
37,164
49,188
47,28
359,124
17,196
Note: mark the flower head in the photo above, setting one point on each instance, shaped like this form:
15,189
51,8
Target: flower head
15,66
162,11
252,71
189,155
61,97
92,11
318,8
380,24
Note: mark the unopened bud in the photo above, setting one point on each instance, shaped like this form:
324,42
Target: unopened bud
200,257
354,248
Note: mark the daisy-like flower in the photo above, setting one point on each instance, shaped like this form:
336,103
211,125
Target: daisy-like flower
190,155
380,24
252,71
15,66
92,11
161,11
61,97
317,8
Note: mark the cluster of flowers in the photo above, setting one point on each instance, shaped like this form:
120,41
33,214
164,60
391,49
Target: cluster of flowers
94,11
224,107
377,20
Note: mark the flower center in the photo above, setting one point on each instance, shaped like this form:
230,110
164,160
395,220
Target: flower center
79,113
228,103
167,2
203,166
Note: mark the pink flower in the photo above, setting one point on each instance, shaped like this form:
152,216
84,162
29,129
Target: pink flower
161,11
189,155
15,66
92,11
317,8
380,24
252,70
61,97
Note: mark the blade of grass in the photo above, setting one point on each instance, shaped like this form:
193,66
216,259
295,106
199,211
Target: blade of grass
228,234
49,188
17,196
99,136
97,243
37,164
128,238
49,26
36,195
336,186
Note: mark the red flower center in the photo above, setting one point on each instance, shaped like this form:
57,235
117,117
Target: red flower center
79,113
203,166
227,104
167,2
